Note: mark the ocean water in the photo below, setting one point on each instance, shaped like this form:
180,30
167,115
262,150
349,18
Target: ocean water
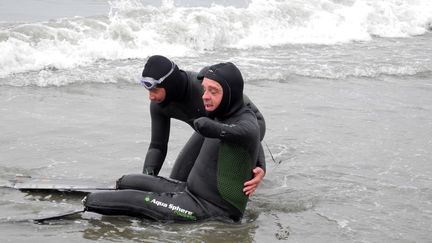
345,87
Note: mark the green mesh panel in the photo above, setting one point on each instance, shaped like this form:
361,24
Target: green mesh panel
234,168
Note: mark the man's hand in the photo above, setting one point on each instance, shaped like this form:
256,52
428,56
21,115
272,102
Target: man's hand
251,186
207,127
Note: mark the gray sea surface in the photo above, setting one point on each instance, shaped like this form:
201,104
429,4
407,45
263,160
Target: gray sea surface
349,120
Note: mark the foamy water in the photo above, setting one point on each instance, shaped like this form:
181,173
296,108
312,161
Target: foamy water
132,30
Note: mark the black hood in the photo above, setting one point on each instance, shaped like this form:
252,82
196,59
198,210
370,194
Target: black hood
231,80
175,84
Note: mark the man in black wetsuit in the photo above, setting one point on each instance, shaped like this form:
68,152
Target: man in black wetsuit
175,93
213,189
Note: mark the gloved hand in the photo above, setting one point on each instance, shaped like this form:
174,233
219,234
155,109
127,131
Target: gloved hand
207,127
149,171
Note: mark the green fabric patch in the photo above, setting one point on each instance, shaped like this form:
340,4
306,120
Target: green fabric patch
234,168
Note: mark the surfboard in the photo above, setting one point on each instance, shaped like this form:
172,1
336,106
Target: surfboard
68,214
58,216
29,183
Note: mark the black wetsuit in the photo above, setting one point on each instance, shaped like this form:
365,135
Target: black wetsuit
186,107
214,187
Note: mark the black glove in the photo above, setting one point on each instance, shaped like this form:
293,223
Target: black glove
149,171
207,127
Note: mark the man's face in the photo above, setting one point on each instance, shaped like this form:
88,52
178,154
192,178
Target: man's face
157,94
213,93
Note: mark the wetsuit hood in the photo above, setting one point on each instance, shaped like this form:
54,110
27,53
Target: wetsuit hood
231,80
175,84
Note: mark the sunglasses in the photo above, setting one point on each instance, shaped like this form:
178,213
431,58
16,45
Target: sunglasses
149,82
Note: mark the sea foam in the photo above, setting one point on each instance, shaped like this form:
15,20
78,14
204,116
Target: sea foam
132,29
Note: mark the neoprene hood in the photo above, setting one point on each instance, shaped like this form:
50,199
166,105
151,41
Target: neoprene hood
175,84
231,80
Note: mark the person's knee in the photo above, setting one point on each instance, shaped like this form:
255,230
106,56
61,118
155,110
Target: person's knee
132,181
94,201
110,203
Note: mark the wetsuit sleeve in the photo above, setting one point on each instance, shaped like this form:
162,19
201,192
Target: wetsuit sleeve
160,125
262,125
258,114
239,132
261,158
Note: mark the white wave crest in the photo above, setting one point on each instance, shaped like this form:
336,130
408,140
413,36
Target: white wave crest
132,29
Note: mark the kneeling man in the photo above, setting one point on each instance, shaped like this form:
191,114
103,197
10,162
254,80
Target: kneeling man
214,188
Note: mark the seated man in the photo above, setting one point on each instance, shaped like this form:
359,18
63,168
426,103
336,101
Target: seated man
176,94
214,188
